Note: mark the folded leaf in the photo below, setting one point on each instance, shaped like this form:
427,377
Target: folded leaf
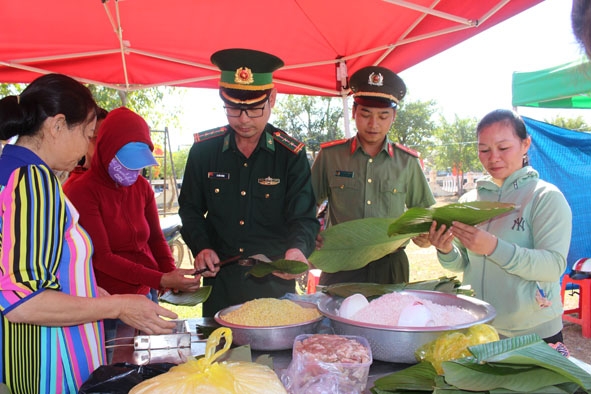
353,244
185,298
285,266
418,220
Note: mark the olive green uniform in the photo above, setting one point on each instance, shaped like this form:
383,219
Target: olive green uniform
235,205
358,186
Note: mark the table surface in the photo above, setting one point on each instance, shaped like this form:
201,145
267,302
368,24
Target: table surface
124,351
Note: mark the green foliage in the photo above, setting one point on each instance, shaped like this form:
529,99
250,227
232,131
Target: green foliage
8,89
413,126
310,119
576,124
457,147
149,103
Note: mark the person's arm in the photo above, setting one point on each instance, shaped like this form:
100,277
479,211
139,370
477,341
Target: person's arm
551,228
31,253
300,206
54,308
158,245
90,203
419,193
319,179
193,206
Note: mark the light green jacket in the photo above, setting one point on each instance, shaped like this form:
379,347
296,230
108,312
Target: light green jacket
533,242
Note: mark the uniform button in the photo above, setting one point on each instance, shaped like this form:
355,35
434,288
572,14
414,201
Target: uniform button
241,250
342,187
395,191
241,222
245,164
216,190
369,180
267,195
243,193
371,160
368,202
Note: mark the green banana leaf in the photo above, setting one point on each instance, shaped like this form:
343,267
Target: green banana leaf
185,298
353,244
524,364
418,220
371,290
285,266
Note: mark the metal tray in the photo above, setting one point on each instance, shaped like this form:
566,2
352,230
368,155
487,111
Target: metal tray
180,338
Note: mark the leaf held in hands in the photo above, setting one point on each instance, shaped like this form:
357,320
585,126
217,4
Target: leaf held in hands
418,220
354,244
285,266
185,298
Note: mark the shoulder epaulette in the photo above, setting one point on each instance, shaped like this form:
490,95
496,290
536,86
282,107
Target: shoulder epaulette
209,134
288,141
406,149
328,144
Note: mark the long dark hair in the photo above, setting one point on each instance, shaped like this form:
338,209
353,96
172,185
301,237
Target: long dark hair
46,96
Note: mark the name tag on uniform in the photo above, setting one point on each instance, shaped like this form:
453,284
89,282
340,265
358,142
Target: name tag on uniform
344,174
218,175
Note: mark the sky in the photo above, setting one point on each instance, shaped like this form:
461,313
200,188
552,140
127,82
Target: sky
469,79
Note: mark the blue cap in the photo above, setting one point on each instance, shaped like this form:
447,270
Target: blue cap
135,156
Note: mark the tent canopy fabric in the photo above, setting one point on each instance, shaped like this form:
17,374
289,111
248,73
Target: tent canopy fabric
563,158
136,44
564,86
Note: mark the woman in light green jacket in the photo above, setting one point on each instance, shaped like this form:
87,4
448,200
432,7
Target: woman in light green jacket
514,261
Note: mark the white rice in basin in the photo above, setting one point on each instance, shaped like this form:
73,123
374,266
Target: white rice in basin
386,309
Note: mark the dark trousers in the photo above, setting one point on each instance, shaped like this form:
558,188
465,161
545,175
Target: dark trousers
390,269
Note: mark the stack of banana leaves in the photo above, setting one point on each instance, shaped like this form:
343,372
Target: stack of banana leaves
524,364
444,284
352,245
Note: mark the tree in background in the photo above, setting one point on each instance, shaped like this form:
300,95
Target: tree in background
576,124
149,103
414,126
457,148
310,119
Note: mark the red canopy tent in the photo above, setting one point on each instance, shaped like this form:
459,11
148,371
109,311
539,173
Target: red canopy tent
135,44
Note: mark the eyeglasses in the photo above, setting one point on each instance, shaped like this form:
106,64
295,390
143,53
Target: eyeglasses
236,112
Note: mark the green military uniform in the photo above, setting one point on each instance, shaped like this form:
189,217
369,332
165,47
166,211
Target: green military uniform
360,186
245,206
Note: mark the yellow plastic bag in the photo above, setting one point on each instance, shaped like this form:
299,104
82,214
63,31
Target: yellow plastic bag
206,376
453,345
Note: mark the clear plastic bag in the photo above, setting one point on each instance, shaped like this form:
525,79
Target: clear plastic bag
312,370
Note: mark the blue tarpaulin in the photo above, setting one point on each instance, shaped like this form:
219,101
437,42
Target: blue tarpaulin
563,158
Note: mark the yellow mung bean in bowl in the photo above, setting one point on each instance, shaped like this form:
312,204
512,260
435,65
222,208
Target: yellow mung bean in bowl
269,323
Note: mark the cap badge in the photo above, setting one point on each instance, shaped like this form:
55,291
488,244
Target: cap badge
243,76
376,79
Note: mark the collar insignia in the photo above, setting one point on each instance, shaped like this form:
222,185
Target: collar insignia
243,76
376,79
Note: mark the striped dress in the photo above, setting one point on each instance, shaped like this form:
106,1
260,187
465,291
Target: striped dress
42,247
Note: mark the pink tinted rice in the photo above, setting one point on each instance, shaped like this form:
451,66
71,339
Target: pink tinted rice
386,309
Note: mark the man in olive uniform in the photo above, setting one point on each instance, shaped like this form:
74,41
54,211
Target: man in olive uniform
369,176
246,188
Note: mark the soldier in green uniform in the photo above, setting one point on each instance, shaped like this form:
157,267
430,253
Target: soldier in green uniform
246,188
369,176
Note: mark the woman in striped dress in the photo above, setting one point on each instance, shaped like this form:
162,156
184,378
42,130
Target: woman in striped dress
51,322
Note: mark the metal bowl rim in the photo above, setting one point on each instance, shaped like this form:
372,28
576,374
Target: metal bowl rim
489,309
218,318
